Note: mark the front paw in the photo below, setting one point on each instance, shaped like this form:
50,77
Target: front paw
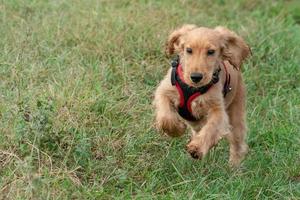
171,126
199,146
194,150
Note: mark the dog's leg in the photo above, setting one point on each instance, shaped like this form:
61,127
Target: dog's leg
166,117
237,137
216,127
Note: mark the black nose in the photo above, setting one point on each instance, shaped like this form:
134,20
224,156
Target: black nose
196,77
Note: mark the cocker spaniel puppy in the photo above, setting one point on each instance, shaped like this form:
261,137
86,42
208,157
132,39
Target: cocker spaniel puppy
204,90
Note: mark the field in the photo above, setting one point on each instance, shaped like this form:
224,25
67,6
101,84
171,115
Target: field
76,89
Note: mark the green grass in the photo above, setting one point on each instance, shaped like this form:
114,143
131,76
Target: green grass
76,85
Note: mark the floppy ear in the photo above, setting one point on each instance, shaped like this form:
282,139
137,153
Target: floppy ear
234,48
173,43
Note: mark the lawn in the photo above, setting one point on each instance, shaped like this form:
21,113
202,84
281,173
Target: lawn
76,89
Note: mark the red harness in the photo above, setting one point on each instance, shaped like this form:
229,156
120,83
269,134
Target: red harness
188,93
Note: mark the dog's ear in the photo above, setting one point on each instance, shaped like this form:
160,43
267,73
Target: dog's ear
173,44
234,48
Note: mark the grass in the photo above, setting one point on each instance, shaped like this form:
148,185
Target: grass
76,85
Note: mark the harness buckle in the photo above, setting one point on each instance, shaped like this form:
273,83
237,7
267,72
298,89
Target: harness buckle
215,77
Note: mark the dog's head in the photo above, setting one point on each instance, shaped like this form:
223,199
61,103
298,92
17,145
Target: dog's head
201,51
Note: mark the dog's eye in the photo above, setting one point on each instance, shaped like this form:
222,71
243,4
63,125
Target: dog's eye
210,52
189,50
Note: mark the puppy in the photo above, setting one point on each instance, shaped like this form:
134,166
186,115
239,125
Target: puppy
204,90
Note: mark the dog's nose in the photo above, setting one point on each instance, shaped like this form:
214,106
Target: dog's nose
196,77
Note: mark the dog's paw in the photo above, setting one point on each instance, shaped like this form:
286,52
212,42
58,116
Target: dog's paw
237,155
194,151
199,146
171,126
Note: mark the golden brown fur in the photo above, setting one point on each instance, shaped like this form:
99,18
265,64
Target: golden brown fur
218,116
